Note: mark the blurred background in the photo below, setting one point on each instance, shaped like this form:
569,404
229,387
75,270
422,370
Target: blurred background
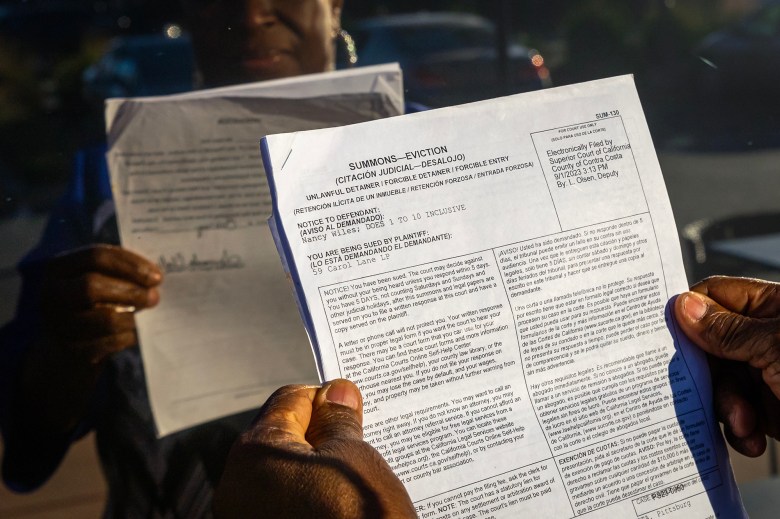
707,71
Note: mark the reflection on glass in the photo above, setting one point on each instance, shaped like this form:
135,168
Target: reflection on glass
172,31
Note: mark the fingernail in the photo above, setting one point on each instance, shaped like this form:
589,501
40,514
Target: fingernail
341,393
152,273
155,276
152,297
695,308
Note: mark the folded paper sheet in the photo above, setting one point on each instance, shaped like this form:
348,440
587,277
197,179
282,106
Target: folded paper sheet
494,277
191,194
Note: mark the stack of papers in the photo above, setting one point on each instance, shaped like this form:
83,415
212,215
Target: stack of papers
191,195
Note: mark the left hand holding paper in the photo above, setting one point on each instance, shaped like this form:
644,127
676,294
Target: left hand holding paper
304,456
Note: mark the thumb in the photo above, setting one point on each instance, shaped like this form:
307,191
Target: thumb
337,415
729,335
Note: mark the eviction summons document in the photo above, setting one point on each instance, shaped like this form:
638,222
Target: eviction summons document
494,278
191,195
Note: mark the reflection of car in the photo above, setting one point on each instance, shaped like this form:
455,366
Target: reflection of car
140,66
447,58
744,59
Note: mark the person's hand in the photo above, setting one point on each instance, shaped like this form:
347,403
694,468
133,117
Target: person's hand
89,297
304,457
737,321
88,300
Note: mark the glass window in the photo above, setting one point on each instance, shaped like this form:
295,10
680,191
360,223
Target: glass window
707,72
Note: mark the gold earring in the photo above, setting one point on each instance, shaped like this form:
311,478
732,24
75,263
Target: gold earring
344,39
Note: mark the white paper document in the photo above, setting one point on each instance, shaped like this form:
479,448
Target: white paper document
191,195
494,277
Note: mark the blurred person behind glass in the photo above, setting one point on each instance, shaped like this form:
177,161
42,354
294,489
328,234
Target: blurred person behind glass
69,361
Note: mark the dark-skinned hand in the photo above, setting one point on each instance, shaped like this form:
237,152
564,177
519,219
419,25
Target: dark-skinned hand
88,300
737,322
304,457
